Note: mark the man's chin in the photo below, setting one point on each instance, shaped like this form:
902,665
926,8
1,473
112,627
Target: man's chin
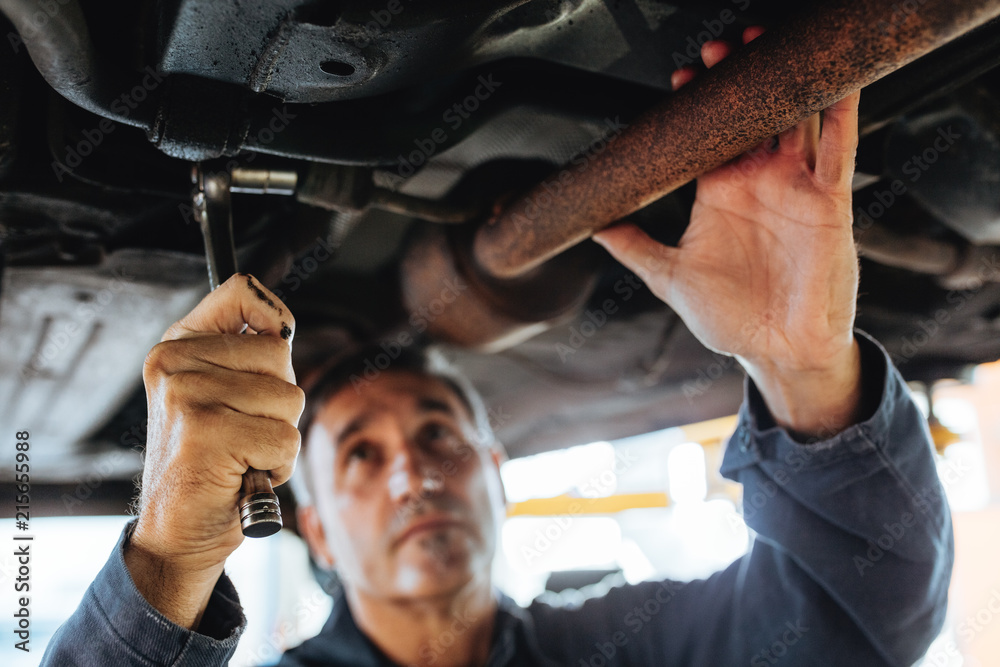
435,564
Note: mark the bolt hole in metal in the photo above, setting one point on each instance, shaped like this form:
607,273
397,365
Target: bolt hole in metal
337,68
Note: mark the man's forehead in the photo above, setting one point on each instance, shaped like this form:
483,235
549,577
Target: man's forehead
393,392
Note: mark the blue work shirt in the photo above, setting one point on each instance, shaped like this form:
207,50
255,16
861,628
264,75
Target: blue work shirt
850,565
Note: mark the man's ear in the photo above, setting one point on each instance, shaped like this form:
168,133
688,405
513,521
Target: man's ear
312,530
498,454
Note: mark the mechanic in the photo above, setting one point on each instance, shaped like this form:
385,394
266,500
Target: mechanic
853,549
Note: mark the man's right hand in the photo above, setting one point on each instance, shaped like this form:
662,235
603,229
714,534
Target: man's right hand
767,269
219,402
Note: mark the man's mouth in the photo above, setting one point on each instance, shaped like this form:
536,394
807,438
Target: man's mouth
427,525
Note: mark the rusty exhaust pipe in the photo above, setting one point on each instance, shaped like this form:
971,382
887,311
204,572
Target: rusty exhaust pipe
781,78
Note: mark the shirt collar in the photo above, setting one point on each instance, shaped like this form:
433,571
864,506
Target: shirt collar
342,642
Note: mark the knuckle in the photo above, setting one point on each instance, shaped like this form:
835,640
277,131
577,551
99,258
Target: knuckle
272,391
185,392
166,357
282,474
156,360
189,386
237,279
206,434
172,397
288,438
277,444
291,396
299,400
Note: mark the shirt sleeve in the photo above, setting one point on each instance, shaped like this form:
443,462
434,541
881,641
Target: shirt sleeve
114,625
850,563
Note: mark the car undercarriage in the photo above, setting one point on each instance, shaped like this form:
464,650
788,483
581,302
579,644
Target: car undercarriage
407,171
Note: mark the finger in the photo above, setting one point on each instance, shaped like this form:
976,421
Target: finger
276,446
682,76
715,51
801,140
838,142
752,33
238,302
247,393
252,442
266,355
652,261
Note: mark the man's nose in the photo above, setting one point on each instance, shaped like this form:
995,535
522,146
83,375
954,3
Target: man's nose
412,475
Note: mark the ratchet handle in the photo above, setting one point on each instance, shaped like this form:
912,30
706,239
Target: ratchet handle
260,514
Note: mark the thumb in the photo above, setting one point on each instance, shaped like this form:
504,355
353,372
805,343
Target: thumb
239,302
652,261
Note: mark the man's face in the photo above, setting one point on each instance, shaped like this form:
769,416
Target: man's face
407,498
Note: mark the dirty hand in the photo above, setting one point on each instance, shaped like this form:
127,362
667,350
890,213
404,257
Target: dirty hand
219,402
767,270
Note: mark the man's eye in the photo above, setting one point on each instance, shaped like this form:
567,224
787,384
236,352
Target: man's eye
438,433
360,452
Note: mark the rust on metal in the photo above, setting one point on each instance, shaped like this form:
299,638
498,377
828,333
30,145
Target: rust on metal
781,78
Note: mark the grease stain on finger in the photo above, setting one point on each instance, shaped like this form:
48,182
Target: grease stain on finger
263,297
286,331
